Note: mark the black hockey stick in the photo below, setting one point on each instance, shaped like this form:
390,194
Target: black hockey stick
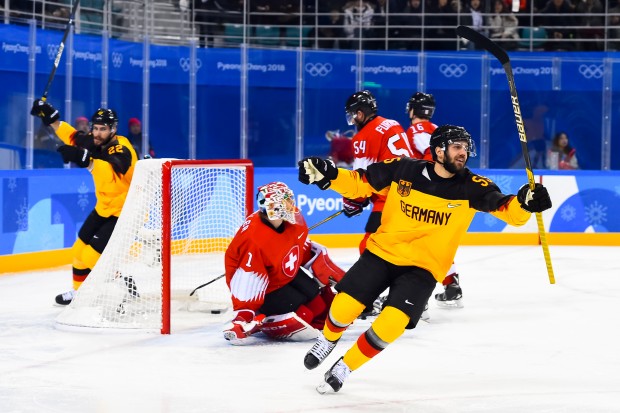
61,48
500,54
332,216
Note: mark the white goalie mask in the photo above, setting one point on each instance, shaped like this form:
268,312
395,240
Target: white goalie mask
277,201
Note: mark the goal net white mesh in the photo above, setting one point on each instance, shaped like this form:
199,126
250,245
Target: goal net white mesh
178,234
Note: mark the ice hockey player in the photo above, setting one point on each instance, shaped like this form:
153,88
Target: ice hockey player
110,159
420,109
377,139
428,208
279,280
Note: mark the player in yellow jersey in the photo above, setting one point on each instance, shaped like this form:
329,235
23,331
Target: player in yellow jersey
429,206
110,158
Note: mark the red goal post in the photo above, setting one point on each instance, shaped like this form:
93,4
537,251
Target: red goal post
177,221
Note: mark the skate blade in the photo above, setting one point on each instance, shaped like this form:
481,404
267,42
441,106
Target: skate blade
451,304
324,388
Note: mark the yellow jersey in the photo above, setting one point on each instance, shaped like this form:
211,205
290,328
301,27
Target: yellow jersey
425,216
112,168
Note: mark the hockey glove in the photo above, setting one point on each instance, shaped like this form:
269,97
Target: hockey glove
80,156
45,111
317,171
242,326
536,200
354,207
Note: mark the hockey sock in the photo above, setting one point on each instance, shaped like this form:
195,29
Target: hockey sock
343,311
388,326
79,275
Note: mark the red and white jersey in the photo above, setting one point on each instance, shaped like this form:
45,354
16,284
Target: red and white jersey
260,259
419,135
378,140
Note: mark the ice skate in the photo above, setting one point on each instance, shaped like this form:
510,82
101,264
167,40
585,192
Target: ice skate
319,352
334,378
425,315
65,298
452,297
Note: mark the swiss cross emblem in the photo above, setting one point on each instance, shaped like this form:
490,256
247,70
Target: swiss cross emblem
404,187
290,263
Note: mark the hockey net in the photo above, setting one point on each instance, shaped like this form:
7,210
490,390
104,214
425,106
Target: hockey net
176,223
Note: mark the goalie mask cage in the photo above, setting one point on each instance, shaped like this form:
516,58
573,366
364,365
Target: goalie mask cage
176,223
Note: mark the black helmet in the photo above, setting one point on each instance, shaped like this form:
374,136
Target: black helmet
364,101
105,117
422,104
447,134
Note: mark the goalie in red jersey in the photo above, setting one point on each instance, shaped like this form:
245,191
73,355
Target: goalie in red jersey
279,280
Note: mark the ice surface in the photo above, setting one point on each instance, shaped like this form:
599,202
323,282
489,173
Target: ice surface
518,345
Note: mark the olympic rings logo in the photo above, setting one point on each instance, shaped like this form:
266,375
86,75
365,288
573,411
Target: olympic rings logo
117,59
318,69
453,70
185,63
592,71
52,50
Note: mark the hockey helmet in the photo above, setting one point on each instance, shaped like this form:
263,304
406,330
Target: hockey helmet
105,117
449,134
422,104
277,201
362,100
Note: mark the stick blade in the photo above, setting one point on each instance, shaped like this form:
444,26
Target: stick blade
483,42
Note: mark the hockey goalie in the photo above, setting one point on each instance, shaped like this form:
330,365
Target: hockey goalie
279,280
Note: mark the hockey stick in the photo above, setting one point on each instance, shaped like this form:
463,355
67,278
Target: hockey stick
61,48
332,216
500,54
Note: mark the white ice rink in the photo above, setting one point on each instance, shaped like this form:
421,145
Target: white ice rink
519,345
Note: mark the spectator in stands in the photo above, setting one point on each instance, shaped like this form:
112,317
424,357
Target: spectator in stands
561,154
206,20
409,26
591,19
262,12
503,26
22,10
441,24
135,137
557,19
613,31
341,147
82,124
331,22
473,18
535,132
358,16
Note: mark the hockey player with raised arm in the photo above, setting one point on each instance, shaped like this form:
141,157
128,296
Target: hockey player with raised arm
279,280
428,208
376,140
420,109
110,159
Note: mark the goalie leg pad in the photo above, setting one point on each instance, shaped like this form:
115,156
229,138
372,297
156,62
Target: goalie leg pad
288,326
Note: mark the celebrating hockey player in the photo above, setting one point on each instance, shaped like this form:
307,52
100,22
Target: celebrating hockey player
279,280
428,208
110,159
420,109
